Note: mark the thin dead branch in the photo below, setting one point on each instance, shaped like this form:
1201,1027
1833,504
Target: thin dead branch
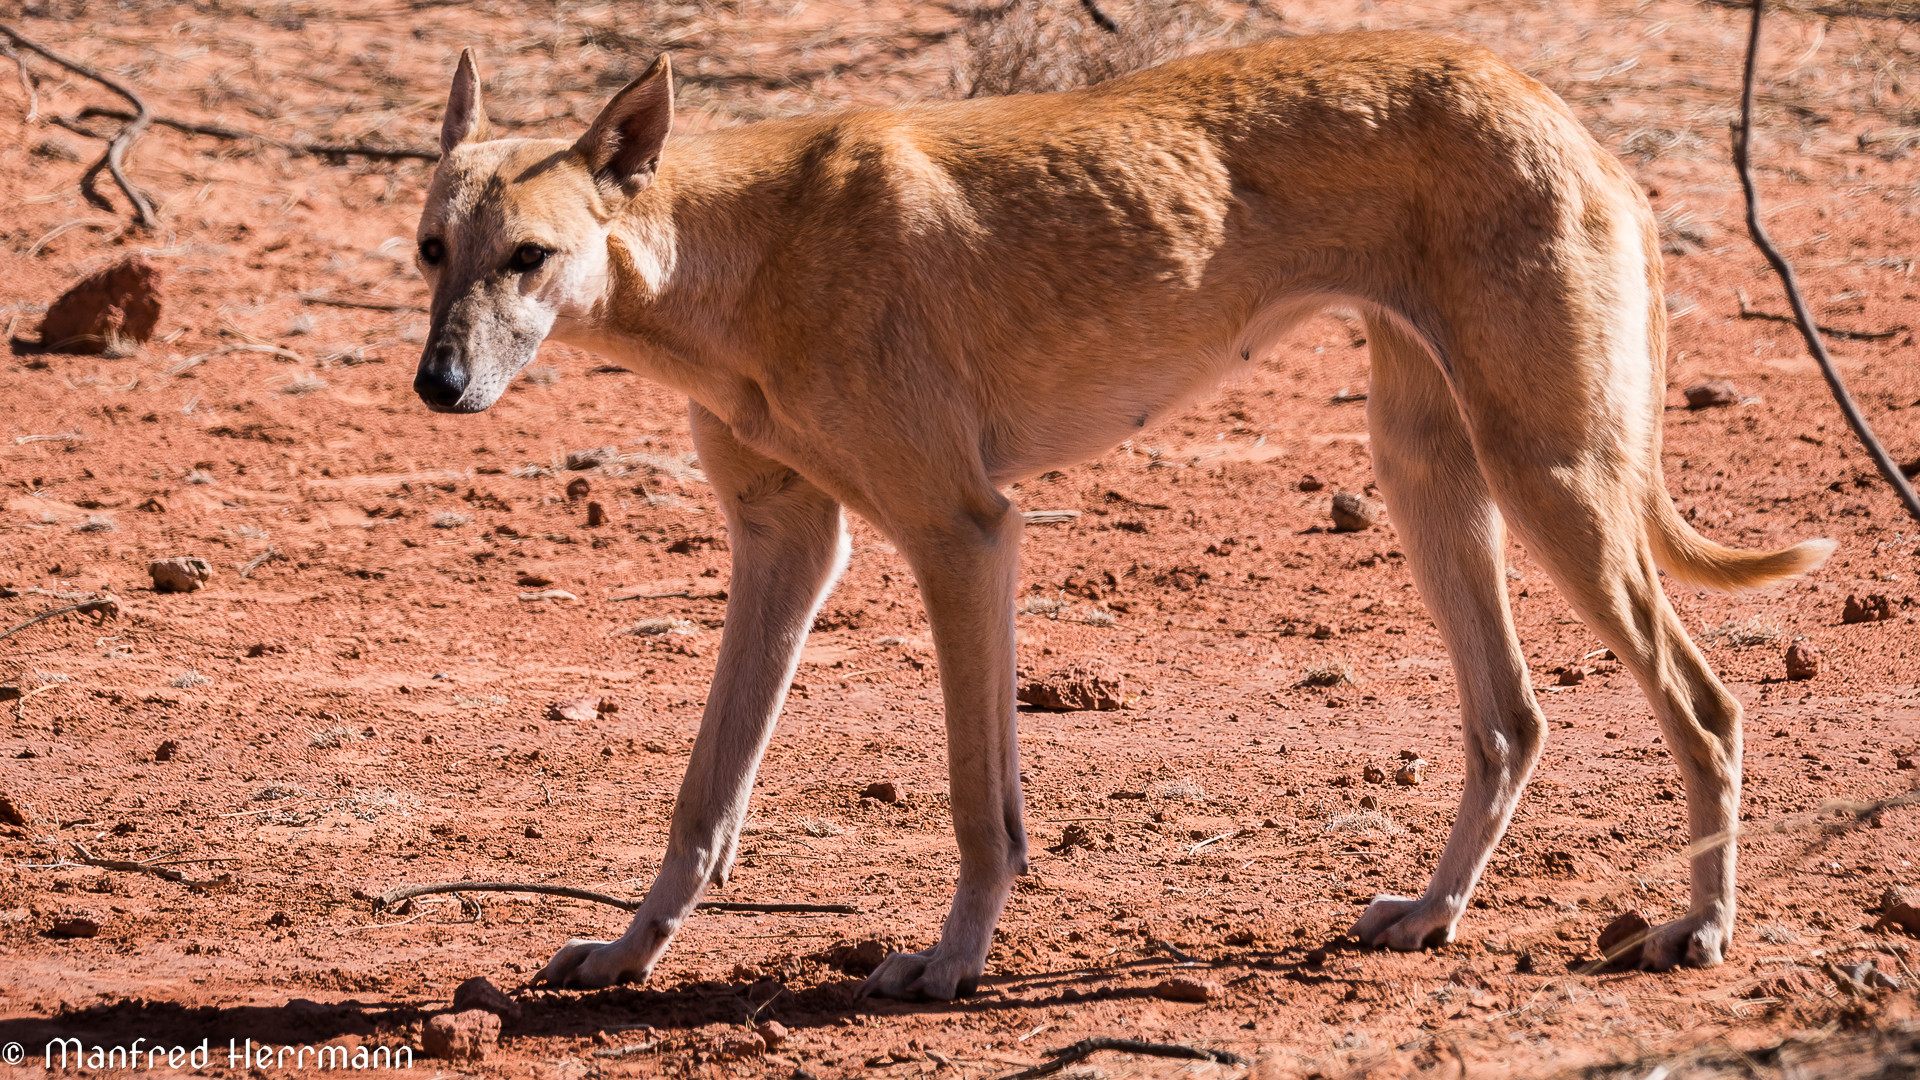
26,80
1742,141
294,146
114,157
407,892
353,302
1747,311
1086,1048
105,606
87,858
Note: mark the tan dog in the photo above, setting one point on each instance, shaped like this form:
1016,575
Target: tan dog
898,311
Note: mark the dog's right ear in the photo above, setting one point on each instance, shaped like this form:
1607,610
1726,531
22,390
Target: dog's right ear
466,118
623,145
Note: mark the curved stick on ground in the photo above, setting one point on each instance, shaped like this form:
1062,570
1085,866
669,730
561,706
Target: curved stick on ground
112,161
405,892
296,146
1088,1047
1742,137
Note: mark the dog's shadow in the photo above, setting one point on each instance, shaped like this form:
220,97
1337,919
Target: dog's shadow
624,1012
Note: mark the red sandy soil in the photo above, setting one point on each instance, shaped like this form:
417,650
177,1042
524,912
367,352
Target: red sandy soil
369,705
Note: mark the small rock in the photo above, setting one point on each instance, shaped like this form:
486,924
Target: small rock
463,1036
596,515
1409,755
578,710
533,579
1374,774
1573,676
581,460
738,1046
1311,482
1803,661
1193,991
1353,513
1711,394
1875,608
1081,687
1369,802
578,487
533,832
153,505
773,1033
747,973
478,993
1903,916
106,312
885,791
1411,774
1621,939
10,813
75,926
182,573
1321,632
167,750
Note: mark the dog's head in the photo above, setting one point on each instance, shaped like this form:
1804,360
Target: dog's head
514,234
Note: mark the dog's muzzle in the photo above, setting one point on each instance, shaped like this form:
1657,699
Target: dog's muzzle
442,377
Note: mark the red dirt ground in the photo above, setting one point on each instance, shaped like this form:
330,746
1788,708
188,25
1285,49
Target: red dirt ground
369,705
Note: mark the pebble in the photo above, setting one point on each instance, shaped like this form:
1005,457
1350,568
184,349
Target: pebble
581,460
463,1036
579,710
1353,513
1374,774
773,1033
478,993
1803,661
1573,676
1621,939
182,573
533,579
1311,482
1411,773
1192,991
167,750
1713,393
578,487
1078,688
885,791
596,515
10,813
1875,608
74,926
110,309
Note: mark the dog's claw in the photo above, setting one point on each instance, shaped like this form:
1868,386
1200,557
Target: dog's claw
1403,924
591,965
920,976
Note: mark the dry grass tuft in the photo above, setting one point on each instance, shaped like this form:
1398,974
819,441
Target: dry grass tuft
659,626
1335,672
1039,46
1740,635
1363,822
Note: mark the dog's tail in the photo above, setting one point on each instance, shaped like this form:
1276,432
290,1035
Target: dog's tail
1696,560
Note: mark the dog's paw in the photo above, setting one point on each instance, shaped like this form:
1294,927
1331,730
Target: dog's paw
921,976
1404,925
592,964
1689,941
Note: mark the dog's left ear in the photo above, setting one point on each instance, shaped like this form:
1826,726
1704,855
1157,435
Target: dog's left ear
623,145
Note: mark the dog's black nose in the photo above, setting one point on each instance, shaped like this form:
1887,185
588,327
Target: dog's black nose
442,377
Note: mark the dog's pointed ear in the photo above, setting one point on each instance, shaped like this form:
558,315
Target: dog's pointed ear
466,117
623,145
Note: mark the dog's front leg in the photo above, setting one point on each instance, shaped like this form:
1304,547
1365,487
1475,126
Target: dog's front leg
789,543
967,570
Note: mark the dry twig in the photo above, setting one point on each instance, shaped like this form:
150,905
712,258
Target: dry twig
1742,139
106,606
407,892
1747,311
295,146
117,146
1086,1048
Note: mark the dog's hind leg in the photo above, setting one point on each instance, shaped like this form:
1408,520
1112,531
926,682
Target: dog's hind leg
1446,520
789,544
967,565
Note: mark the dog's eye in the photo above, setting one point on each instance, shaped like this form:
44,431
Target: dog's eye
432,251
529,256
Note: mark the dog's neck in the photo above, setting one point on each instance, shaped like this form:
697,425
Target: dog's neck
685,261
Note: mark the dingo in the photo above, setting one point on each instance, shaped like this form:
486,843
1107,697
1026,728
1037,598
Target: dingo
897,311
